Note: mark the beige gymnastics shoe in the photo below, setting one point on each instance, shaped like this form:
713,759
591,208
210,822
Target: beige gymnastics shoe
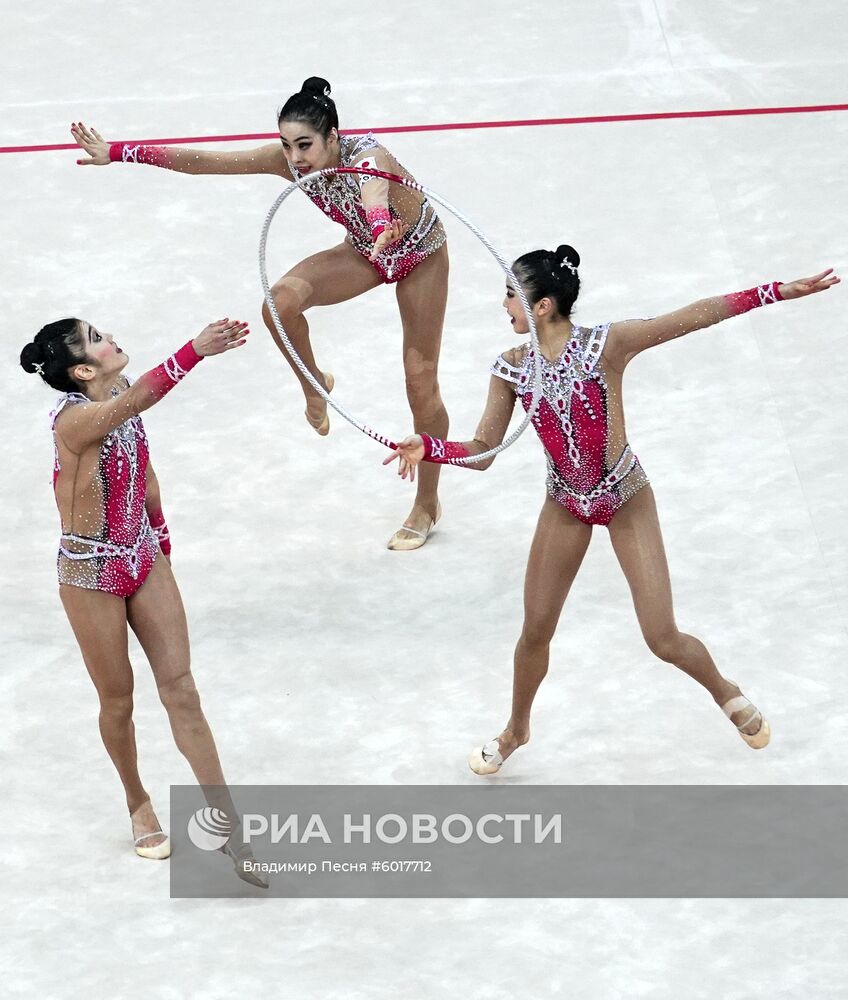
740,703
486,759
323,427
143,848
405,539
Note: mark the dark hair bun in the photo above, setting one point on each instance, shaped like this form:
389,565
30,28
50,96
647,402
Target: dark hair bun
316,85
569,254
32,355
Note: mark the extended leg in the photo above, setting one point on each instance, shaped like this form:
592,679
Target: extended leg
637,540
157,617
422,298
558,548
99,622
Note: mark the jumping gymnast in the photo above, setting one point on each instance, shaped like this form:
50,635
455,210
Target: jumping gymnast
393,236
593,475
113,531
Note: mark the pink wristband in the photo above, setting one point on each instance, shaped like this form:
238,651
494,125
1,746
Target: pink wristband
123,152
442,452
160,529
753,298
163,378
379,218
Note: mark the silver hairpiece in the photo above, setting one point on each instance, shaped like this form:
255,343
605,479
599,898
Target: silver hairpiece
38,367
565,262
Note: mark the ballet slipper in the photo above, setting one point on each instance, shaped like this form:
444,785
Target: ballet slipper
241,856
761,737
402,543
156,852
323,428
486,759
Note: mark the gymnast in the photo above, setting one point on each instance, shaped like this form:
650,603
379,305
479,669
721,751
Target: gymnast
110,572
594,478
393,237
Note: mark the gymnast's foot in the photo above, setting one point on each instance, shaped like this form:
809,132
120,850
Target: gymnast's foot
489,759
316,407
416,528
244,862
750,722
148,838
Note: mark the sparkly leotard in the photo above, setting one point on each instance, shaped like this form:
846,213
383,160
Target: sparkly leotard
340,198
592,471
107,542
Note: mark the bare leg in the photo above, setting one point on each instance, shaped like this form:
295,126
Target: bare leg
637,540
99,622
156,615
558,548
324,279
422,298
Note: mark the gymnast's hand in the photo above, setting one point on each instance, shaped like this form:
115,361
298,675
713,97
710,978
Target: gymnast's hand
93,143
409,453
809,286
391,234
223,335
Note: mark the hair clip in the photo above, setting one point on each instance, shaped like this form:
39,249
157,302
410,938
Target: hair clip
38,367
565,262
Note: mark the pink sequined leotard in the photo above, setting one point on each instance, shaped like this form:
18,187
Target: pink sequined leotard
592,470
111,546
341,198
107,540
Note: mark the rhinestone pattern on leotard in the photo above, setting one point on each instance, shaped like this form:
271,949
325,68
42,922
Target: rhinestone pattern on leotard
118,546
340,198
572,423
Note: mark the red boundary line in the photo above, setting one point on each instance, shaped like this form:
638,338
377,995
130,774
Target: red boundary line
450,126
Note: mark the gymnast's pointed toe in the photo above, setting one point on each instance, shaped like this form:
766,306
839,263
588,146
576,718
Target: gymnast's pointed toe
748,715
322,425
486,759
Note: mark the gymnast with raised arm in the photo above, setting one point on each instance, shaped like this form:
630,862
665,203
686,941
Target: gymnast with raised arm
393,237
114,553
594,478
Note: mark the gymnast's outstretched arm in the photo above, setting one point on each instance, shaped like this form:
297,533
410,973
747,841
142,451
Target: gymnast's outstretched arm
80,426
489,434
267,159
629,338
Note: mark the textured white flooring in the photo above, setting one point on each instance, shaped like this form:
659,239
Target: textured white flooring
321,657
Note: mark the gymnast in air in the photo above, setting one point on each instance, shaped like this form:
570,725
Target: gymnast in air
393,237
594,477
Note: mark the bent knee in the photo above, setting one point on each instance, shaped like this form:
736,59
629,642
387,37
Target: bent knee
288,307
664,645
180,694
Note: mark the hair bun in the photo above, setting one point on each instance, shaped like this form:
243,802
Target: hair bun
31,357
568,255
317,86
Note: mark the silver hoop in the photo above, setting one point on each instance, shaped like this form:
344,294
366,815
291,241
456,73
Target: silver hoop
512,279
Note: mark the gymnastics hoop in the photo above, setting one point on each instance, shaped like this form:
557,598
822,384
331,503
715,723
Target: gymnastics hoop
513,280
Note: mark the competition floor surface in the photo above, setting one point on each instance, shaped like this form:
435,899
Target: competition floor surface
320,656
